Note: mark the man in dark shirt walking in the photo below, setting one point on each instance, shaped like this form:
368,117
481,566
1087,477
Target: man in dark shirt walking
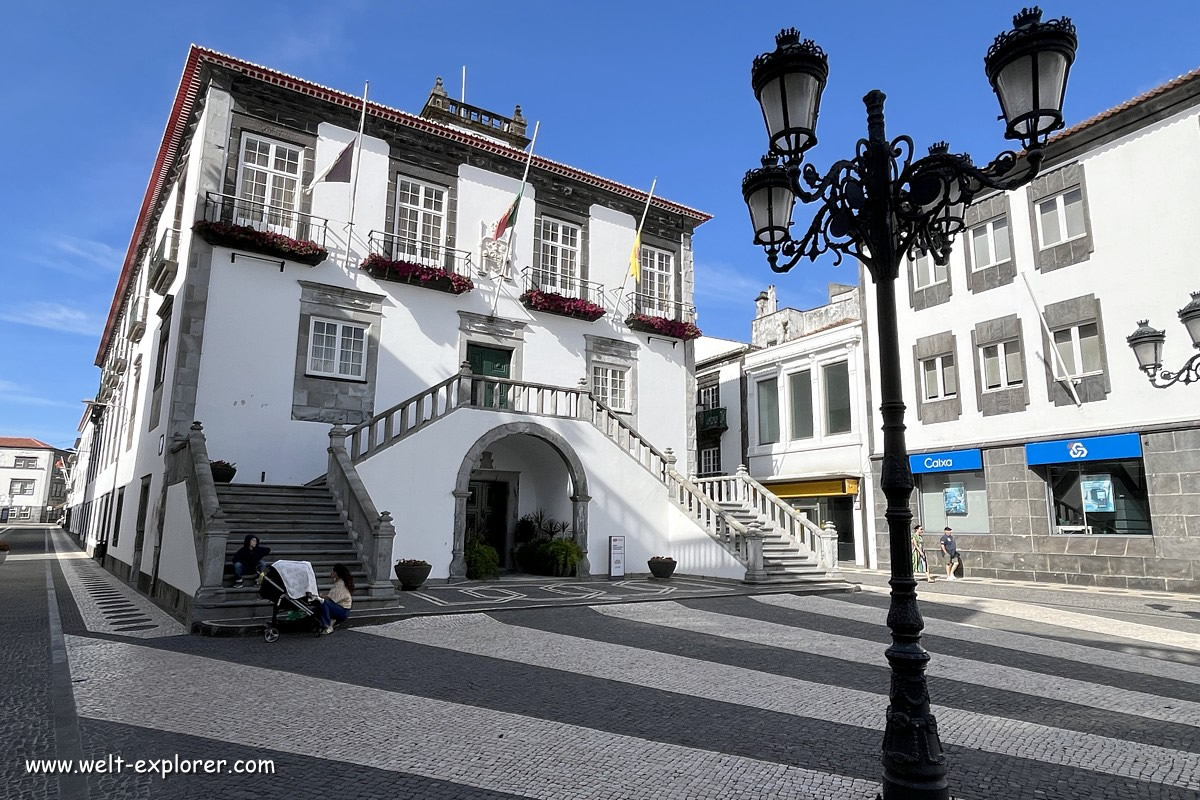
949,552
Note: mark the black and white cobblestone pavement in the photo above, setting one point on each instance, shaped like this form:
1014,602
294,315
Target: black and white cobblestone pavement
1039,694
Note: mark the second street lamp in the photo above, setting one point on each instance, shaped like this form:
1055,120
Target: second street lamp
878,207
1147,345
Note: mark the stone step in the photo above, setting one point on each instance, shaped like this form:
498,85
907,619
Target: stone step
273,503
299,529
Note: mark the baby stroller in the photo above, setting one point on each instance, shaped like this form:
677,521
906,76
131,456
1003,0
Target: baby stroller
291,588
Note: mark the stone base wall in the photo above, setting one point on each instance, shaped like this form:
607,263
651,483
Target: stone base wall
1019,545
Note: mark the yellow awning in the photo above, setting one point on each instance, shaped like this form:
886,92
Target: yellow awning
816,488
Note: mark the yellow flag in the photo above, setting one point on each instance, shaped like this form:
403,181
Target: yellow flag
635,259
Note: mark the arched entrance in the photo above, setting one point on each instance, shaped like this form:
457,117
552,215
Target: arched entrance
578,492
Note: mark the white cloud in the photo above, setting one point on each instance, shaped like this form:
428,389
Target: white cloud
54,316
82,258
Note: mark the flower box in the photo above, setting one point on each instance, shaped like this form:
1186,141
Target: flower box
437,278
222,471
662,326
553,303
243,237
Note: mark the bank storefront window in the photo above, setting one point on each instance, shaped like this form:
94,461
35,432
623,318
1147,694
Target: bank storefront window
1097,485
952,490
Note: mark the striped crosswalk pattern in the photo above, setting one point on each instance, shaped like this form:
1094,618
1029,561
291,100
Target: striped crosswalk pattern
771,696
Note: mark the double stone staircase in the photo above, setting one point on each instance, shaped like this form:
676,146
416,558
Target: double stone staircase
783,561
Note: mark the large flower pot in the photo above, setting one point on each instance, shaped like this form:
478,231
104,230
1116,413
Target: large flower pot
223,474
412,577
662,569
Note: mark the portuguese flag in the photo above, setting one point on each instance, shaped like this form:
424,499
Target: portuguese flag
510,216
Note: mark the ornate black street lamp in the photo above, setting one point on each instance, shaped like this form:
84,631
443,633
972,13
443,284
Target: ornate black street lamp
878,207
1147,345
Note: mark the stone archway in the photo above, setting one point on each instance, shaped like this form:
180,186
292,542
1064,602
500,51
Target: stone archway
579,486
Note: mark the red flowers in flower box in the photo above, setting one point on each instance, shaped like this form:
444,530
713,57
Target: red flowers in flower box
437,278
662,326
226,234
552,303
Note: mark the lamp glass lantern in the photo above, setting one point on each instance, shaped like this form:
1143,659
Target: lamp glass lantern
1189,315
1147,346
1028,68
788,83
768,193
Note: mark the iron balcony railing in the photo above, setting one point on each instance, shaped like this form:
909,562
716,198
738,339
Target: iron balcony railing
415,251
552,282
265,217
711,420
651,305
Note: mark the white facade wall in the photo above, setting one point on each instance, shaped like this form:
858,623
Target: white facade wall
41,476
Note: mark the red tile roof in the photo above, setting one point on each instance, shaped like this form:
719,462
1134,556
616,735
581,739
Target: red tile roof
181,111
25,443
1127,105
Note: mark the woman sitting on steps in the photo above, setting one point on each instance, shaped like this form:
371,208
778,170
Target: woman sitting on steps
336,605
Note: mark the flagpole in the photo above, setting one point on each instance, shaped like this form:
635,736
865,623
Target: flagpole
362,122
509,240
637,237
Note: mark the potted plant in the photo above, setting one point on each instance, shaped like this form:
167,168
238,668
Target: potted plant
661,566
222,471
412,573
4,546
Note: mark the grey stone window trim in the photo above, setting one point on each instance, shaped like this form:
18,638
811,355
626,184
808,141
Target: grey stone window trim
1065,314
162,350
544,210
933,295
979,213
601,351
505,334
948,409
317,398
397,170
1069,252
1009,399
242,123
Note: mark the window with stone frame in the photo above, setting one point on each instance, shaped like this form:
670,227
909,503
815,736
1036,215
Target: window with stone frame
337,349
20,486
25,462
1061,218
268,180
657,285
926,273
559,263
1060,228
611,386
1000,365
939,381
420,222
990,244
1078,348
710,461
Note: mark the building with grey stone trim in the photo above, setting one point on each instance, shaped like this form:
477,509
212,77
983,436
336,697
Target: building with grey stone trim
33,486
1032,433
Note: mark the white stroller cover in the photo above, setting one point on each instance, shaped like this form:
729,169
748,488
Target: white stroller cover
298,578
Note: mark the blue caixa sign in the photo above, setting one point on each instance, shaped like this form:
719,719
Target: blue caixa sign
947,461
1085,448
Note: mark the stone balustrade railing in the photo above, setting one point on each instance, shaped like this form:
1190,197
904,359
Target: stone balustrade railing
371,531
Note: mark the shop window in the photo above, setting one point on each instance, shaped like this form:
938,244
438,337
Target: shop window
954,499
1100,497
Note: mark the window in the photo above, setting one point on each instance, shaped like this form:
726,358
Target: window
710,460
337,349
269,175
25,462
709,396
420,222
1001,365
938,378
989,243
658,282
768,411
18,512
926,273
20,486
610,385
558,270
836,378
800,387
1060,218
1100,497
160,364
1078,350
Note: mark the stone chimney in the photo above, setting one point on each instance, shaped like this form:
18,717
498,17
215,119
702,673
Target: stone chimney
766,303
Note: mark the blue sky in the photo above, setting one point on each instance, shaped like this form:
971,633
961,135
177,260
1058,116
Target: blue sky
629,90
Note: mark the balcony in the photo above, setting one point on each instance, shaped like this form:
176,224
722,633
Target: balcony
274,231
164,264
418,263
655,315
567,296
711,420
135,319
443,108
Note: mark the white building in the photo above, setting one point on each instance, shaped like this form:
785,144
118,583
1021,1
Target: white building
1034,436
408,364
32,487
721,428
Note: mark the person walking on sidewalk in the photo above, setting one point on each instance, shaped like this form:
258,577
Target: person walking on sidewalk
949,553
919,557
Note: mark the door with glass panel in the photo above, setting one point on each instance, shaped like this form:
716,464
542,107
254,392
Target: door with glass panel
268,178
558,266
420,223
489,362
656,290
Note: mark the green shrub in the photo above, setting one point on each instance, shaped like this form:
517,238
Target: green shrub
533,557
564,556
483,562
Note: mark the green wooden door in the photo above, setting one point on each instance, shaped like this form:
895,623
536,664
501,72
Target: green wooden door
489,362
